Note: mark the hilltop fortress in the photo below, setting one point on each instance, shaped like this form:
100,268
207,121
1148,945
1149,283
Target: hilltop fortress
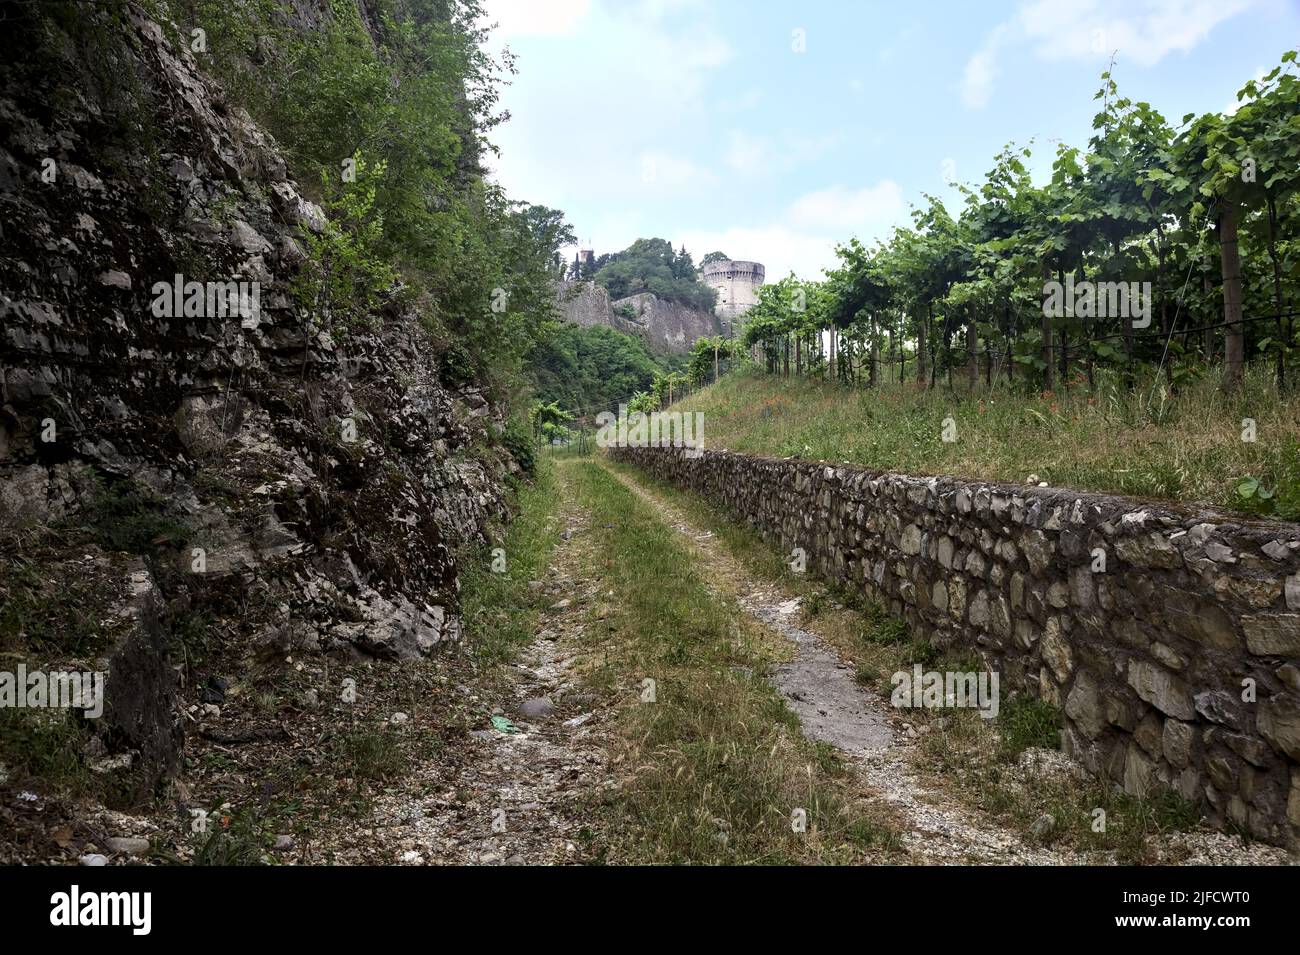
665,325
736,283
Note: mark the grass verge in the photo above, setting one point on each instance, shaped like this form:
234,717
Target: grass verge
1146,442
498,608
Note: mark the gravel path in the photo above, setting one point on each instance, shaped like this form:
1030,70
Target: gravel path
520,800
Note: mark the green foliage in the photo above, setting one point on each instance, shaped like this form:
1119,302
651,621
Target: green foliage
1026,722
409,90
712,357
346,270
589,370
126,516
372,755
240,839
643,402
966,293
518,439
1282,500
651,265
45,615
43,743
550,422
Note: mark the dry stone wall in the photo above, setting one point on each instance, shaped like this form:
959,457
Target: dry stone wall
1168,635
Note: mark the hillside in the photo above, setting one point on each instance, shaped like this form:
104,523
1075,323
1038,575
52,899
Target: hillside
648,289
588,370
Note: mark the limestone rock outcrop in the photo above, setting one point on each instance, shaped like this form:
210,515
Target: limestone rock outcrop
294,487
666,326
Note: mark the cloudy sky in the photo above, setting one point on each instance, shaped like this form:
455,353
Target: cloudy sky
772,130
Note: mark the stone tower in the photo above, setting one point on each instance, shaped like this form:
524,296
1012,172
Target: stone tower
737,286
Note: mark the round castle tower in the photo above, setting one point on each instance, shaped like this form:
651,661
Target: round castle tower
737,286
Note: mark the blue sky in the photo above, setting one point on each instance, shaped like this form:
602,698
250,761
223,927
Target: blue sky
701,121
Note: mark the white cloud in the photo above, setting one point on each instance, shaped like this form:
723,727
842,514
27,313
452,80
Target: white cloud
864,211
535,17
981,70
1142,31
780,248
665,170
587,114
803,240
754,155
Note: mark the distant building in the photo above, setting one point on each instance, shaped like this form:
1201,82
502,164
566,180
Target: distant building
736,283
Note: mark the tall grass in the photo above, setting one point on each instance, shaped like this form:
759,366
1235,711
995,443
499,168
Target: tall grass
1146,441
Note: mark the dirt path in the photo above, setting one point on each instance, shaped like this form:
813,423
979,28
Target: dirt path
519,798
833,708
521,795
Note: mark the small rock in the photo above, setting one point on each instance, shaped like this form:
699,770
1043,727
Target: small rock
1275,549
127,844
1042,827
283,842
1220,553
537,706
215,690
398,718
116,279
93,858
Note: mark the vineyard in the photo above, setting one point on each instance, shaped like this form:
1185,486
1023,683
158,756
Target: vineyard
1174,246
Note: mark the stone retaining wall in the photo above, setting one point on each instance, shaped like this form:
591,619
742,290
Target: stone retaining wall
1168,635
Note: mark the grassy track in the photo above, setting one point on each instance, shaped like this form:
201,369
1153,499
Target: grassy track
499,610
717,766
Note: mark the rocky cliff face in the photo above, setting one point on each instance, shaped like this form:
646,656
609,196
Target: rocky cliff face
173,470
666,326
587,304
